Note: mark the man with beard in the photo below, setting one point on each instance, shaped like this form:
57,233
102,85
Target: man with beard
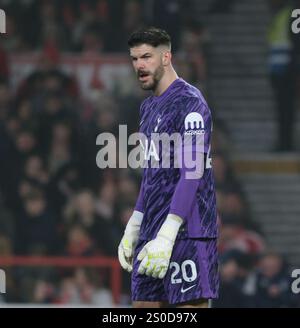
170,241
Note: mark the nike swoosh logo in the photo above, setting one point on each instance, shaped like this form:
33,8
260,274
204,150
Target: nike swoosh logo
185,290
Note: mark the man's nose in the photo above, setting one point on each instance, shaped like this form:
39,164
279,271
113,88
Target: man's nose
140,65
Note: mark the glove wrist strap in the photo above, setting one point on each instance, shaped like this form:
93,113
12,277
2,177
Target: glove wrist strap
134,222
170,227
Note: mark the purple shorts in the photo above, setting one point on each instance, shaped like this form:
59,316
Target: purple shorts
192,274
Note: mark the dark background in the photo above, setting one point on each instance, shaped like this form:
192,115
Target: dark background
55,201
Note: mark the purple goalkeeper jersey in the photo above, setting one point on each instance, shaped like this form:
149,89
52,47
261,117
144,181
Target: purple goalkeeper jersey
182,110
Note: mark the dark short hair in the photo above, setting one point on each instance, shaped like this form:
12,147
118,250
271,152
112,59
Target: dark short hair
150,35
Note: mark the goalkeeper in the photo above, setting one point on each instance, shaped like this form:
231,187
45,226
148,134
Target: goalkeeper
170,242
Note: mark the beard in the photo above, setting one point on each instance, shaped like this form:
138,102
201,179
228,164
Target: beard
153,78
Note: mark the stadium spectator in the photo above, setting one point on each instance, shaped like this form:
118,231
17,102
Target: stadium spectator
273,283
79,242
235,236
230,294
224,177
36,231
52,29
107,198
82,211
193,50
44,292
282,69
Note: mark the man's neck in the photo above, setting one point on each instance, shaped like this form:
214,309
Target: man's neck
165,82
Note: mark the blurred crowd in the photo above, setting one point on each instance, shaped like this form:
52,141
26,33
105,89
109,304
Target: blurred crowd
88,26
54,200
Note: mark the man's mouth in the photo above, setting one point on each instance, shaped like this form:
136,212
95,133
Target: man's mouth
143,76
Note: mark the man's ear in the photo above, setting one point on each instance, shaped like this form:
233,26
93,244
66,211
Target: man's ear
167,56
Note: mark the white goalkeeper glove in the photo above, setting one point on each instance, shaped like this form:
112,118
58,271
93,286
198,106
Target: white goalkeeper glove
129,240
156,254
